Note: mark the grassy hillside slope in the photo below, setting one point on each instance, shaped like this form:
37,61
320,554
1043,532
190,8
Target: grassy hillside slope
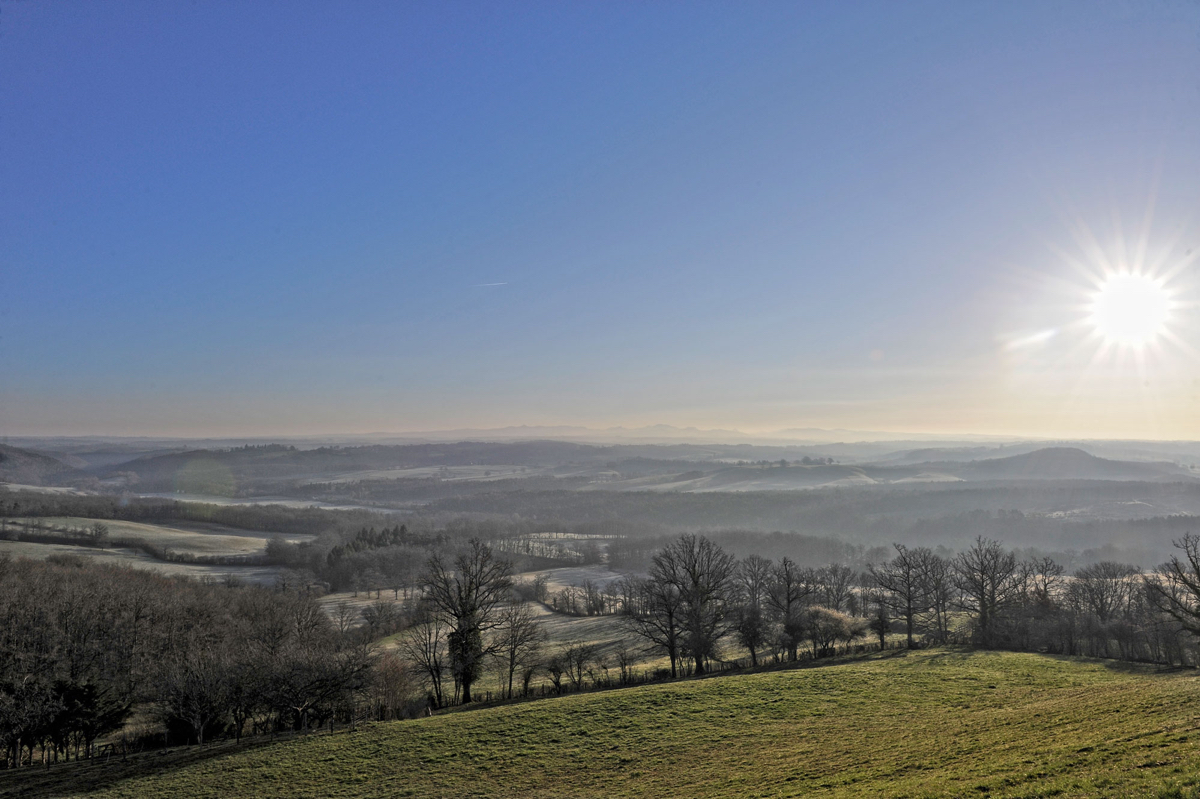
923,724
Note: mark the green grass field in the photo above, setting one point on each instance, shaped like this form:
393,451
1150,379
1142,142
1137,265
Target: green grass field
937,723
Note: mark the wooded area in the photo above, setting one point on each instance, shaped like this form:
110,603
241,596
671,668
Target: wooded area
95,652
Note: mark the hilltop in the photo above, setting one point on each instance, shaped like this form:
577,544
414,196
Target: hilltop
930,723
24,467
1056,463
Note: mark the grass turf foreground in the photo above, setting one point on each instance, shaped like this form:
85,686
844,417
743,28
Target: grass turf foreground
933,723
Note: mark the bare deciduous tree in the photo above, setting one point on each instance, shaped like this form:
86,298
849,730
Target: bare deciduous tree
788,595
425,645
753,581
577,657
343,617
519,637
987,576
193,688
1104,589
1175,588
904,589
703,574
468,595
939,590
657,616
835,584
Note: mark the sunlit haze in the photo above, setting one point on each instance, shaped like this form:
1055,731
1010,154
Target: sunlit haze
251,219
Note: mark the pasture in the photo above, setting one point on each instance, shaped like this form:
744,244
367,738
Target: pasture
260,575
559,626
183,541
572,576
919,724
449,473
194,538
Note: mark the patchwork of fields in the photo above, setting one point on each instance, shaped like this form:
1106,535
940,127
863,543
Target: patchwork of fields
184,538
181,542
933,723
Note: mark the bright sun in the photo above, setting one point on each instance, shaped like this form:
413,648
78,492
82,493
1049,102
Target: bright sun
1130,310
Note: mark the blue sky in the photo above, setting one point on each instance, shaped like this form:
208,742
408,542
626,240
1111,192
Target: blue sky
272,218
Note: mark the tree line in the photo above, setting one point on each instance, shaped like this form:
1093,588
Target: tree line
262,518
697,597
82,645
703,609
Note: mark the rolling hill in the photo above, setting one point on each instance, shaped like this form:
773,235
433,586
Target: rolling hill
24,467
1064,463
931,723
1049,463
430,472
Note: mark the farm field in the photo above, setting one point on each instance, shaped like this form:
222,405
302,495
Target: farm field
556,580
261,575
931,723
267,499
458,473
572,576
187,538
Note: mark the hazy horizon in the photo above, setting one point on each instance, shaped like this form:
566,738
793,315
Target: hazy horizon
224,220
657,434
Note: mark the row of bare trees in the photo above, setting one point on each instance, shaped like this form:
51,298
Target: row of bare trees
1105,609
696,596
697,599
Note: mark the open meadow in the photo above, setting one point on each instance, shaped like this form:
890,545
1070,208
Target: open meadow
258,575
185,538
164,548
930,723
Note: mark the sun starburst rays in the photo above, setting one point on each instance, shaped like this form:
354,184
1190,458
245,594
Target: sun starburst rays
1104,335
